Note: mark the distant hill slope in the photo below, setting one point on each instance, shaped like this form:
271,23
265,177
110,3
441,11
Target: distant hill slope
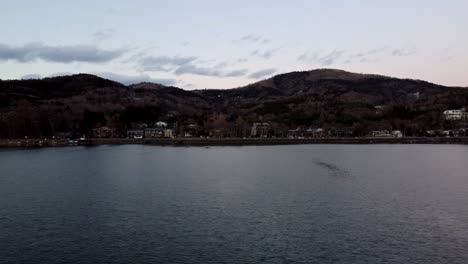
319,98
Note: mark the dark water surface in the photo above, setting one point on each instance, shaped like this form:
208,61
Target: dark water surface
268,204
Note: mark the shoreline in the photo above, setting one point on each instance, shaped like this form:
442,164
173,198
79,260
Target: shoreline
38,143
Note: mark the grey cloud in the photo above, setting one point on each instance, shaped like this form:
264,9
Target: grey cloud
342,56
401,52
366,56
197,70
215,71
164,63
308,58
236,73
103,34
61,54
330,58
188,65
262,73
221,65
371,52
263,54
132,79
322,59
252,38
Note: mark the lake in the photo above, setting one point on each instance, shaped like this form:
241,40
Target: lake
265,204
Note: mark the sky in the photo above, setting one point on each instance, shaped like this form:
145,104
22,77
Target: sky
205,44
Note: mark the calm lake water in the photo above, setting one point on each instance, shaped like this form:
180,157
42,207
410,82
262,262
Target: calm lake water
268,204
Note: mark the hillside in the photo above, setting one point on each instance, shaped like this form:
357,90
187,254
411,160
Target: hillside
318,98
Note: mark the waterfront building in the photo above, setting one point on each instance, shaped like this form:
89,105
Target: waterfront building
457,114
104,132
381,133
135,133
260,130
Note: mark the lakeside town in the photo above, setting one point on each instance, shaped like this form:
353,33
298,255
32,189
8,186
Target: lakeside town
162,131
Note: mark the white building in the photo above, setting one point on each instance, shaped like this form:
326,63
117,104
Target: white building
456,114
168,133
397,134
260,130
381,133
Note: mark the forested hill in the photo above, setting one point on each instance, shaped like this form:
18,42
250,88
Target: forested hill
318,98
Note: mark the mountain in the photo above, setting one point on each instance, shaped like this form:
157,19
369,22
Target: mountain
318,98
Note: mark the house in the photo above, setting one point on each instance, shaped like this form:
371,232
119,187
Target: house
342,132
380,133
104,132
316,132
296,133
154,132
458,114
135,133
158,132
62,135
191,130
397,134
260,130
168,133
217,133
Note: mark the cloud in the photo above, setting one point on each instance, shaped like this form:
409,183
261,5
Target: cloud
214,71
180,65
268,54
132,79
342,56
367,53
371,55
308,58
197,70
322,59
330,58
164,63
103,34
236,73
401,52
60,54
262,73
252,38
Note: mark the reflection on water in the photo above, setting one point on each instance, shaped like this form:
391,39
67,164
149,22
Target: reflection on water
333,169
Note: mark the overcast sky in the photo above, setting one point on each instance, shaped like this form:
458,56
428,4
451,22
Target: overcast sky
224,44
